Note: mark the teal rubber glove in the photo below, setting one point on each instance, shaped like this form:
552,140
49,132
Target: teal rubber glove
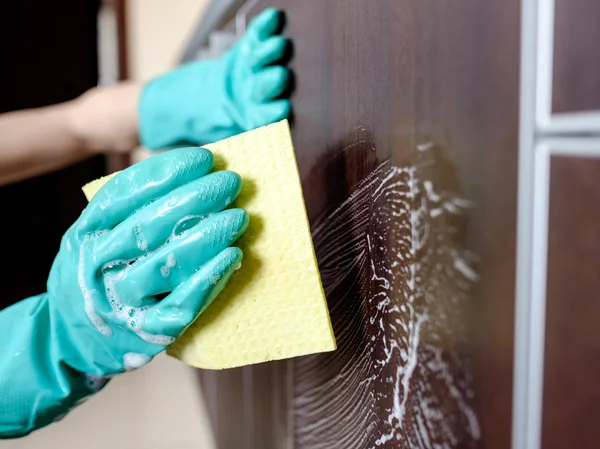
206,101
145,258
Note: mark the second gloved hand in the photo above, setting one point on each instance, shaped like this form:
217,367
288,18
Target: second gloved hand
206,101
146,257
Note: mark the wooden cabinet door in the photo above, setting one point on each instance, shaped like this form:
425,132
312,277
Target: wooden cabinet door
406,136
557,393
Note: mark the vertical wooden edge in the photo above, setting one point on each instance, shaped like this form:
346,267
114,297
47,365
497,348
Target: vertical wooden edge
289,397
118,162
120,7
209,383
248,424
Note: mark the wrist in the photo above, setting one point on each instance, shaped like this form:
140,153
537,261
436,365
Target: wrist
77,125
104,119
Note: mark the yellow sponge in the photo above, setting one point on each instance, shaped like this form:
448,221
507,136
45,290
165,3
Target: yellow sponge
274,306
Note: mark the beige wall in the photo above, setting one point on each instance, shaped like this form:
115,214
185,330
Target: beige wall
157,32
160,406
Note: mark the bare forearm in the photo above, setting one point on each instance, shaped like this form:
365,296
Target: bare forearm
37,141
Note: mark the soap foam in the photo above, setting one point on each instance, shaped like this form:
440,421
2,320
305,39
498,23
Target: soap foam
171,261
140,238
133,360
165,270
117,270
88,295
397,279
160,340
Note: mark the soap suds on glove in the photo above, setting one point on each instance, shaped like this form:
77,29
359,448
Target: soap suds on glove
87,293
274,306
133,361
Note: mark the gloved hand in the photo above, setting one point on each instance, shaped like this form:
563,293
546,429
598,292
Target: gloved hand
145,258
205,101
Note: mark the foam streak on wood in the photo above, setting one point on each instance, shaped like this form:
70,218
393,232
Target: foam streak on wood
397,282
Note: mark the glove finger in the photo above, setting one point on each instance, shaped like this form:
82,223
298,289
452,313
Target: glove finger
266,24
163,270
269,83
142,183
152,225
273,111
270,51
178,310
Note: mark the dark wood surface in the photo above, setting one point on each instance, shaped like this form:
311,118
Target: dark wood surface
249,407
376,81
576,56
117,162
572,352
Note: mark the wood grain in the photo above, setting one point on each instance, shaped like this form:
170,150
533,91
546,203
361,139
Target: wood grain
576,84
374,82
572,351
